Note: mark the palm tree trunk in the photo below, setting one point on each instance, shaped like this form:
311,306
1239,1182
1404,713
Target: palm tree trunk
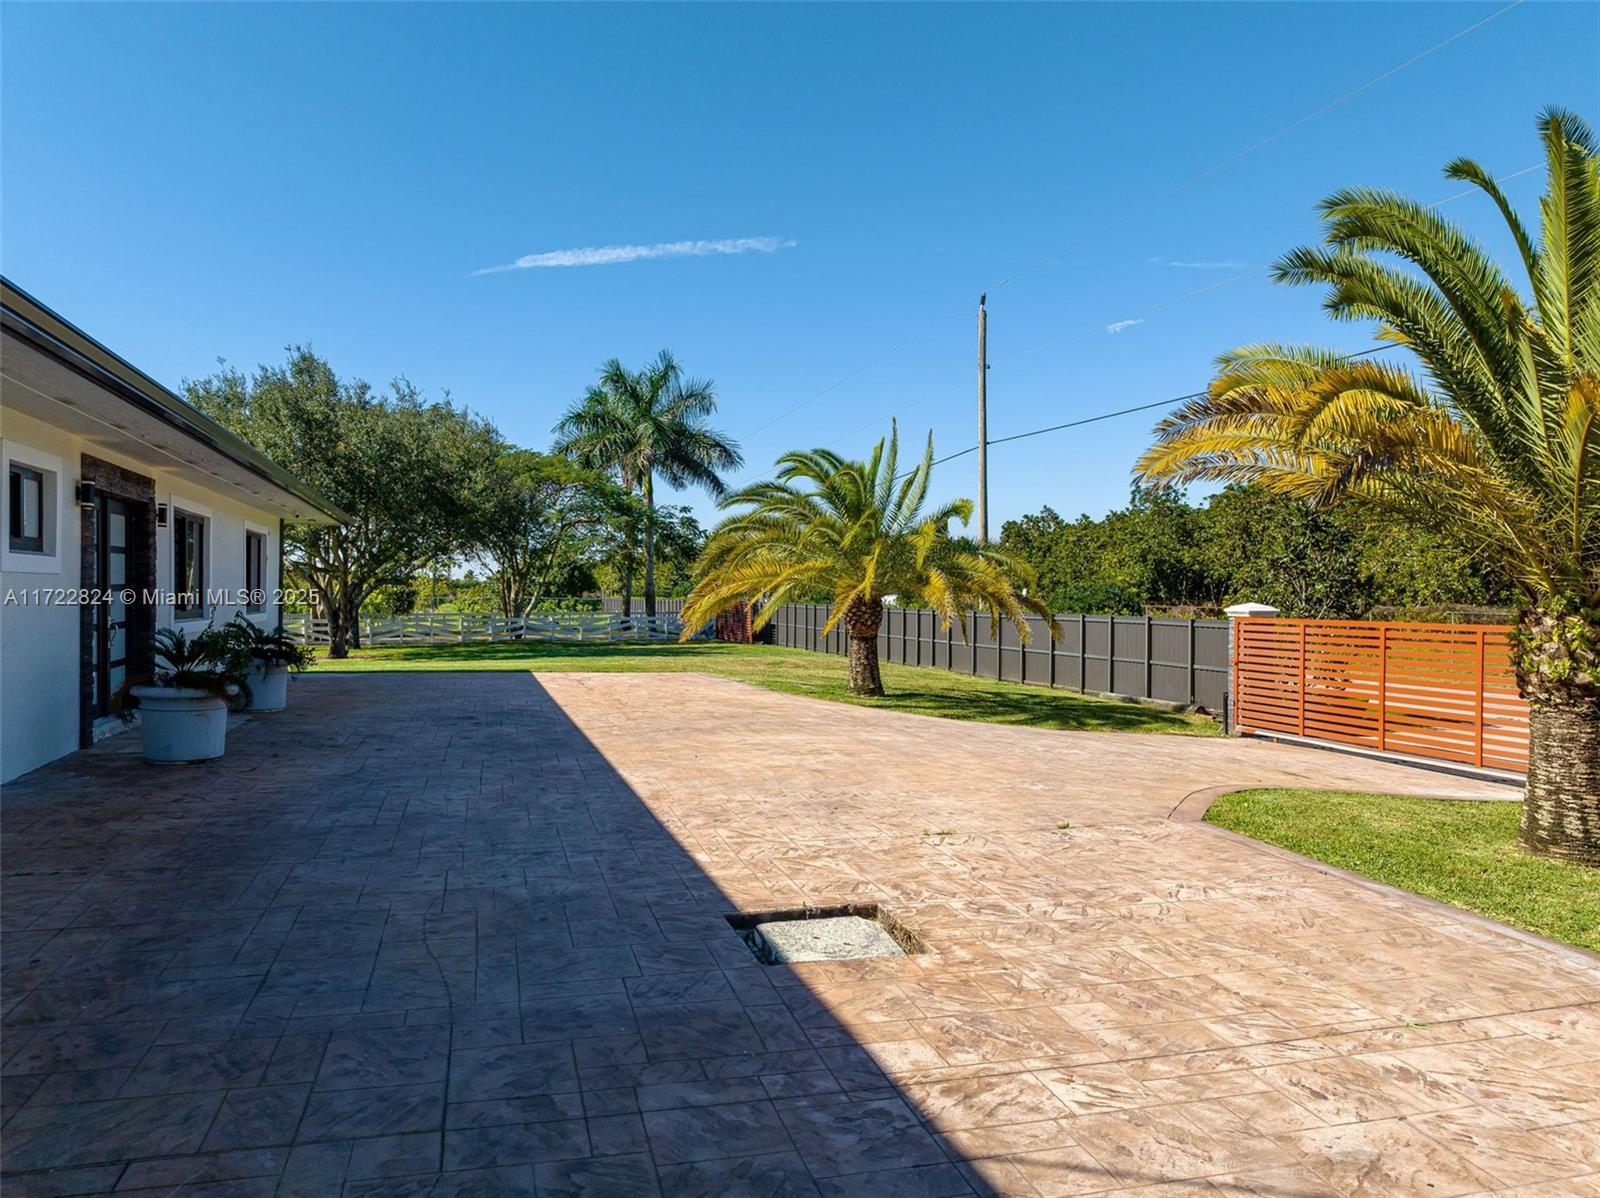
1561,806
627,577
649,544
862,620
1557,655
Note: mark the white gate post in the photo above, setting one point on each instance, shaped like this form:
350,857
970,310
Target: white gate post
1239,611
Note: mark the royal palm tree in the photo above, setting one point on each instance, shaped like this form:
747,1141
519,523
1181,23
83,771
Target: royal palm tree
856,532
1494,443
643,424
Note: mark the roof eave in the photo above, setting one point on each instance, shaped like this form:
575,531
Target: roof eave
64,340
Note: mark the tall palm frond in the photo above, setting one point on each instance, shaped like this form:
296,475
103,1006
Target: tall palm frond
855,531
1495,441
644,424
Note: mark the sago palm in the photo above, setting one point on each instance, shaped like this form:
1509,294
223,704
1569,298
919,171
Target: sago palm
856,532
1494,442
643,424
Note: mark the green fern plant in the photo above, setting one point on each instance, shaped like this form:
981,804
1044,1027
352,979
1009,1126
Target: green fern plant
268,646
209,661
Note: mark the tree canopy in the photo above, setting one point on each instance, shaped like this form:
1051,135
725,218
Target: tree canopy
409,471
535,515
1246,543
644,423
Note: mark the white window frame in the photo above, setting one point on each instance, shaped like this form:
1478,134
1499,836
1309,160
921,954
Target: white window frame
256,530
52,509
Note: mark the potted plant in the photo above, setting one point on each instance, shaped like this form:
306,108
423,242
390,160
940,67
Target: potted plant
183,708
270,655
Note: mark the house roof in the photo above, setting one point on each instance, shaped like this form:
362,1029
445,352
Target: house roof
68,357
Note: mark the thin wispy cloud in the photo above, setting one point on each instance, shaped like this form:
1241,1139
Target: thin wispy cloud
607,255
1200,264
1118,326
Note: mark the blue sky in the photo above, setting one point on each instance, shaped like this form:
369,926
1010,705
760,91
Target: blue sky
190,182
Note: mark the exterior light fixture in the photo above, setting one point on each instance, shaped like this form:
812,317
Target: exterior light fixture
86,494
161,515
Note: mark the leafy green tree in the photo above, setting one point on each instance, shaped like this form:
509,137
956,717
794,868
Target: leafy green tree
392,599
407,471
1068,559
1264,548
1416,569
1098,597
646,423
1151,547
1143,554
534,514
855,531
616,556
469,593
1246,543
1495,446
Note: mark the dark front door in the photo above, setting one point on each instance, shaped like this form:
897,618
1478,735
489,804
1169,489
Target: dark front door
113,536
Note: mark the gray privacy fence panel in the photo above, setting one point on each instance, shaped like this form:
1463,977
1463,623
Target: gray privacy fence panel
1178,661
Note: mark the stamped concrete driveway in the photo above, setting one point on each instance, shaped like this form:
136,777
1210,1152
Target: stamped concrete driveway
464,934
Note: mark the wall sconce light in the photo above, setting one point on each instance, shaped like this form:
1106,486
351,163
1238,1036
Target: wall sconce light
86,494
161,515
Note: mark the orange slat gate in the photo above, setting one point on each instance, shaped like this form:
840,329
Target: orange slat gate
1428,690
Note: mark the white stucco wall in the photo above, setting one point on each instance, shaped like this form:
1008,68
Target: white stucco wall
39,644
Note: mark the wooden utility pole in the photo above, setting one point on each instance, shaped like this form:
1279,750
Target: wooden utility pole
983,420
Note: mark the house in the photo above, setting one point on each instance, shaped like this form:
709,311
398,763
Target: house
125,510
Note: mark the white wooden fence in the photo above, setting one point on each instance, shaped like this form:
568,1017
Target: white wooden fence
461,628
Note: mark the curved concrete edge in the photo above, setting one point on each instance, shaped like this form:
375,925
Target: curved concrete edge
1193,808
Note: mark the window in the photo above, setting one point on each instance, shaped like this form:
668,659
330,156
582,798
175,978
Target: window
189,566
30,509
27,509
255,570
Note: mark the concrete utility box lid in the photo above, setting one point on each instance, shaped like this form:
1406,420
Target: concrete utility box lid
840,938
1239,610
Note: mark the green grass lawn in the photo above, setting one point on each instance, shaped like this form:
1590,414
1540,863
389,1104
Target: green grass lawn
1458,852
799,672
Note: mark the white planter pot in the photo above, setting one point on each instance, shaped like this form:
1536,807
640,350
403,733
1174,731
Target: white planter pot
180,724
269,688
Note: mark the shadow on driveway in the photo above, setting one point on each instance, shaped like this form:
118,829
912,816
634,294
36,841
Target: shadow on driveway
413,936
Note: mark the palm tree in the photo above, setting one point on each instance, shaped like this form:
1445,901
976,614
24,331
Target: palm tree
644,423
856,532
1495,443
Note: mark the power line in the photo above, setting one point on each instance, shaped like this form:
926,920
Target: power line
1158,305
1129,213
1145,407
893,349
1272,137
1056,428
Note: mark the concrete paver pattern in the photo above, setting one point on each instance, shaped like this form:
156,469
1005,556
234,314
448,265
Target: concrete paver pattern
464,934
